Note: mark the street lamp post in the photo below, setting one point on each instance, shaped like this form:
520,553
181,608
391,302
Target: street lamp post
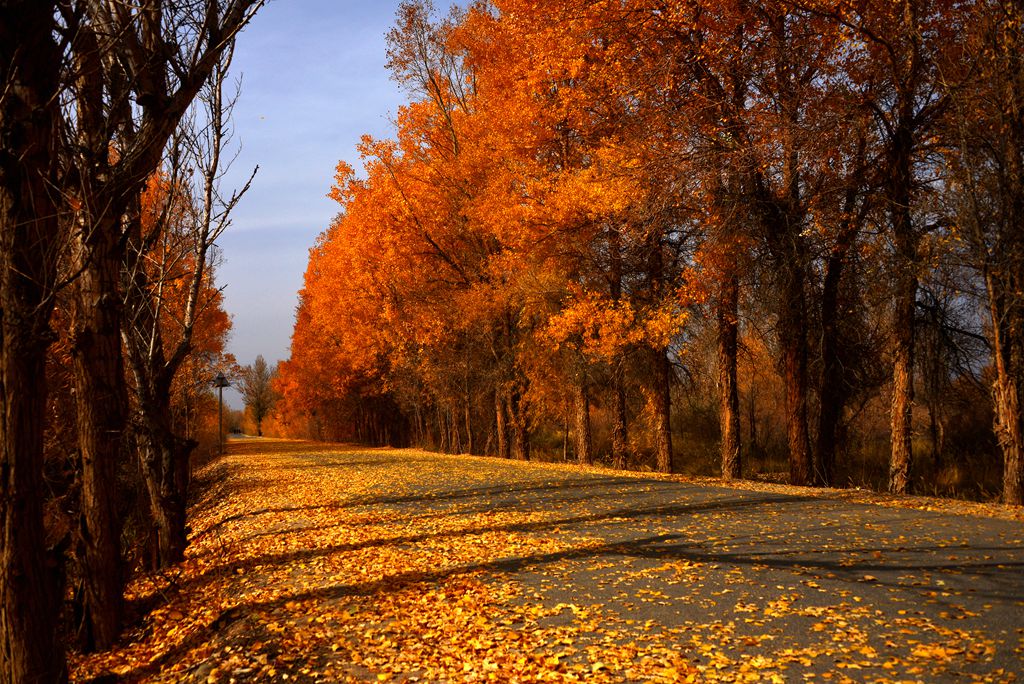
220,382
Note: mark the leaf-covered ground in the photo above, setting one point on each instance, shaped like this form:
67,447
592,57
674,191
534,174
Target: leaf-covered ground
318,563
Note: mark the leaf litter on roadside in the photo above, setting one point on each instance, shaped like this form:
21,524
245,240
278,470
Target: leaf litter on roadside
315,563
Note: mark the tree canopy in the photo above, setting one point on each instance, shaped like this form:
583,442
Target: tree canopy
638,228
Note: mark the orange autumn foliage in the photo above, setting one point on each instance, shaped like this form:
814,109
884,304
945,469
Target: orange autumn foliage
589,209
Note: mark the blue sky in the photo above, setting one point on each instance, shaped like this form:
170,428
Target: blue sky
313,82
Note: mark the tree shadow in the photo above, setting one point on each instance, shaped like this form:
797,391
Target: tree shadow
793,542
427,496
659,547
559,524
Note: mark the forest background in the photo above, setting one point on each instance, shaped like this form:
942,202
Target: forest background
779,240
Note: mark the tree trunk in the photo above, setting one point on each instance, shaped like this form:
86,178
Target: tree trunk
418,423
905,240
902,398
831,389
728,390
501,425
660,396
521,443
164,459
902,385
1008,354
662,409
620,437
101,407
784,216
1007,393
30,591
582,443
453,425
565,432
442,431
29,581
163,456
520,426
793,340
470,446
935,432
755,447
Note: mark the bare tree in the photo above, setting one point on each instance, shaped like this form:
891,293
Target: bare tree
136,68
257,390
114,78
175,246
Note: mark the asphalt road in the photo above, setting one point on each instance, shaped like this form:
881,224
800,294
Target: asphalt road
325,564
827,588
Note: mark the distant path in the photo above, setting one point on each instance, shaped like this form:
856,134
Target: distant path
332,564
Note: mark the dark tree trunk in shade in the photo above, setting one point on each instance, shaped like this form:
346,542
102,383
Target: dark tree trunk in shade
101,406
728,389
661,395
165,459
832,393
789,256
581,420
793,340
501,426
30,588
620,437
468,417
520,425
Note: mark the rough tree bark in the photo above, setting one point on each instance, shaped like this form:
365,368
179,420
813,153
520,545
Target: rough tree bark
905,299
101,407
131,85
830,388
582,442
620,436
789,254
30,650
833,389
1008,354
661,397
793,340
520,425
501,424
728,389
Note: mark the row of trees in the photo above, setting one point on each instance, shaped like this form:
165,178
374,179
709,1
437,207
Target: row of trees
604,208
113,123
